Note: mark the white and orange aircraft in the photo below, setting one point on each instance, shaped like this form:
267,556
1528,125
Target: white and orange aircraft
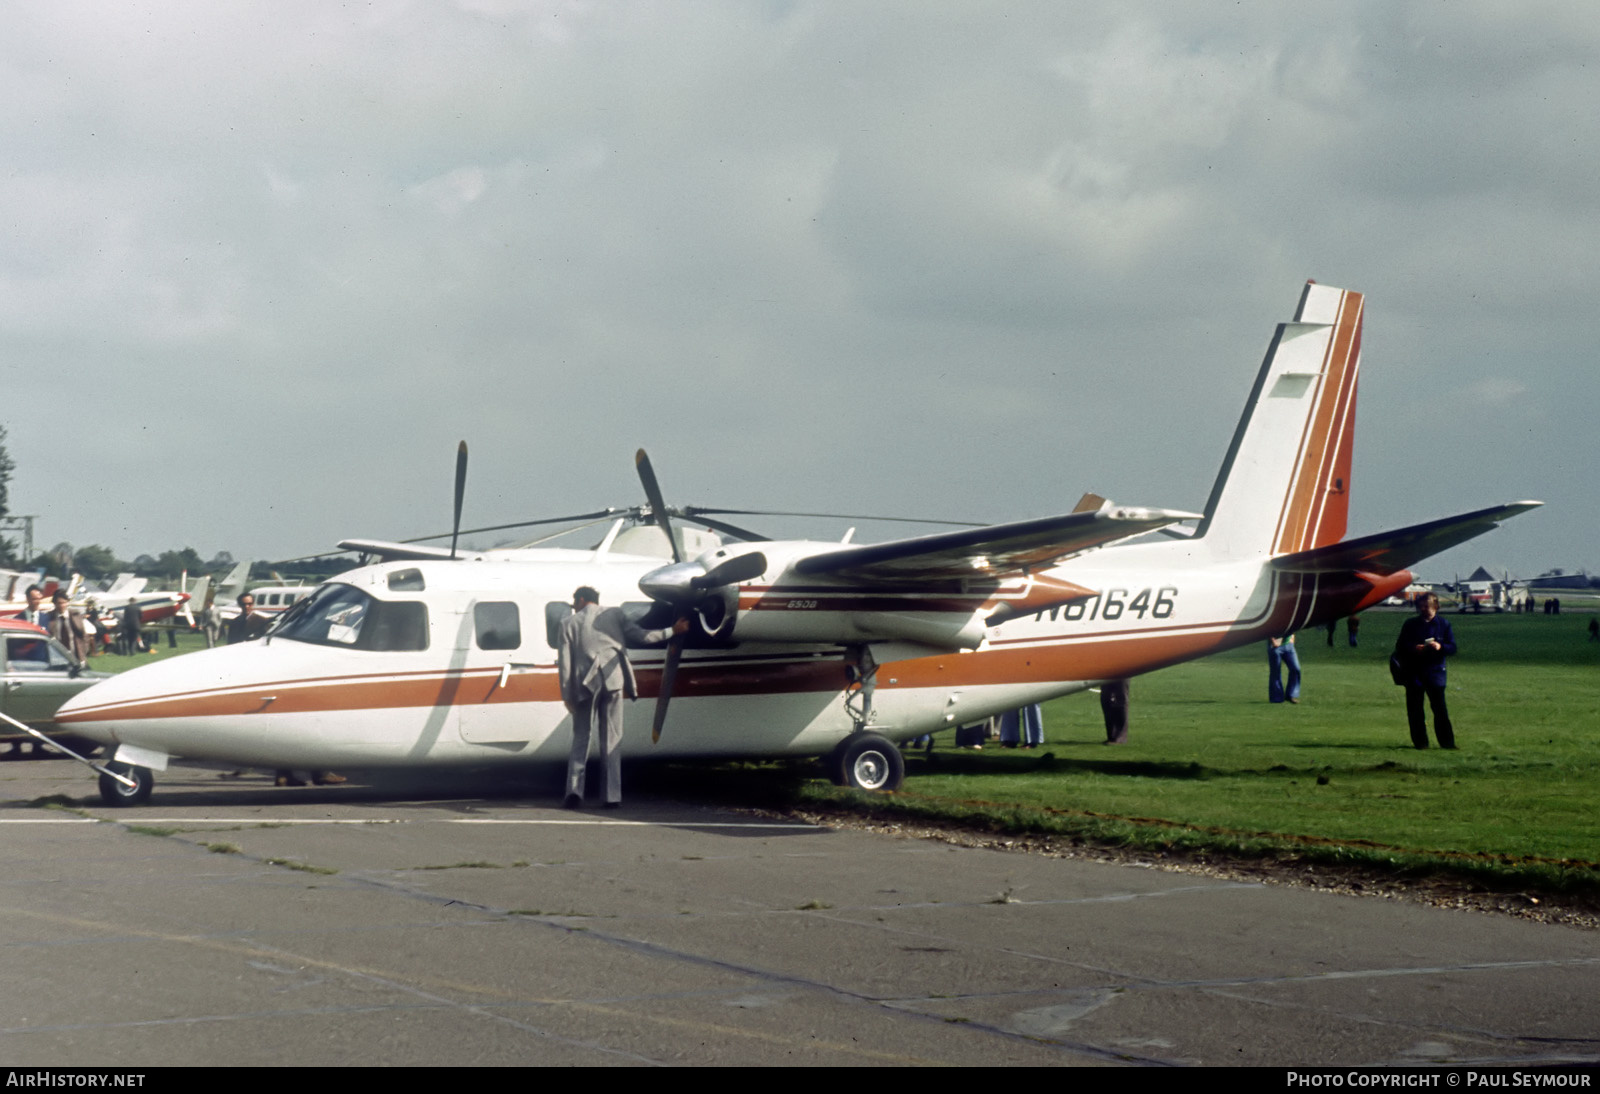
797,648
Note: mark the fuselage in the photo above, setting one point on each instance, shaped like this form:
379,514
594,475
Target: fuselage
457,661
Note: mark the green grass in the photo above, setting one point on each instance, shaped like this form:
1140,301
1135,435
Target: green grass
1207,750
188,642
1211,766
150,830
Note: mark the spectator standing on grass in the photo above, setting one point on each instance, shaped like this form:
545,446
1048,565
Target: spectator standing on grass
128,633
1024,726
66,627
1114,709
1281,653
249,624
1425,641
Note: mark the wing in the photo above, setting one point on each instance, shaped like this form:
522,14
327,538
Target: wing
1390,552
998,550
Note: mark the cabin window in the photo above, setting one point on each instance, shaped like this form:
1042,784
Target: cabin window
498,624
340,615
407,581
555,614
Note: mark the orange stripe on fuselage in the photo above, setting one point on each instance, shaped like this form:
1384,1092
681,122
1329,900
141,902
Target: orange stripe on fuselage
1296,601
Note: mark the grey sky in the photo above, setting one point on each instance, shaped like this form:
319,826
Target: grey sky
273,260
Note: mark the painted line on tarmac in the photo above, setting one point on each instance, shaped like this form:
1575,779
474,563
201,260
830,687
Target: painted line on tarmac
48,820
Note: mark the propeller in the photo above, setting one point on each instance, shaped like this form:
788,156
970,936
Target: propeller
658,507
704,587
461,493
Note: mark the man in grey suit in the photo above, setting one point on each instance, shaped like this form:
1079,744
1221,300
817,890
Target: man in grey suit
595,677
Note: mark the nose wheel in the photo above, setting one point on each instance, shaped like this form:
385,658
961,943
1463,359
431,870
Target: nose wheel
116,794
867,761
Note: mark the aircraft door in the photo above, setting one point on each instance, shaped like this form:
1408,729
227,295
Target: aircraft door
493,709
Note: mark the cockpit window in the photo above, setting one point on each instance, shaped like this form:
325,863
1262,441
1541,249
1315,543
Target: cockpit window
341,615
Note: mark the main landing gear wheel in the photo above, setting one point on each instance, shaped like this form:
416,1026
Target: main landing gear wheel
113,793
867,761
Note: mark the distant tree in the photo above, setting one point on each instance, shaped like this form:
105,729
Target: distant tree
8,553
144,566
222,561
61,558
95,562
6,467
173,563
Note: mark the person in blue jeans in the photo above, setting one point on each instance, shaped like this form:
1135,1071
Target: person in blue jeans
1281,652
1024,726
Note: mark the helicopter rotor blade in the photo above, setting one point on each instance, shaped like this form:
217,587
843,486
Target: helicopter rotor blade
694,512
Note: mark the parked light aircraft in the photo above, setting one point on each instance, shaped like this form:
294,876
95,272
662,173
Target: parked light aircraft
797,648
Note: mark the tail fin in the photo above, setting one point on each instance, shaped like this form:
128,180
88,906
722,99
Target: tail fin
231,586
200,596
1285,485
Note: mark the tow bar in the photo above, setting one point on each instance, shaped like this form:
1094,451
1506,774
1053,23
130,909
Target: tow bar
57,746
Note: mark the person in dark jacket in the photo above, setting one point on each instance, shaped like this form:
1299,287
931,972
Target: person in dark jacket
1425,641
128,633
249,624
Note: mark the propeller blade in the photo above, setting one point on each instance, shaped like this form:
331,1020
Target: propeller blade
669,676
736,569
658,507
461,493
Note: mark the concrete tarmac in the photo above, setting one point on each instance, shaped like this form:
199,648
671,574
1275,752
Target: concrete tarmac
232,923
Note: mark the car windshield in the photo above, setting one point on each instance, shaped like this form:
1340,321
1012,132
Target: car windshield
342,615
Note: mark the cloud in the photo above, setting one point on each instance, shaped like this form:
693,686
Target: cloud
952,259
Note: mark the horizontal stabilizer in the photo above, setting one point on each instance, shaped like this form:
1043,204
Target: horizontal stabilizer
1389,552
994,551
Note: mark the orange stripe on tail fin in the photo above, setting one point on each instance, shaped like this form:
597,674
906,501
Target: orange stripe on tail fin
1285,485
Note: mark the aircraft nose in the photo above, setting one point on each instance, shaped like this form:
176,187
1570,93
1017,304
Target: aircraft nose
73,713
